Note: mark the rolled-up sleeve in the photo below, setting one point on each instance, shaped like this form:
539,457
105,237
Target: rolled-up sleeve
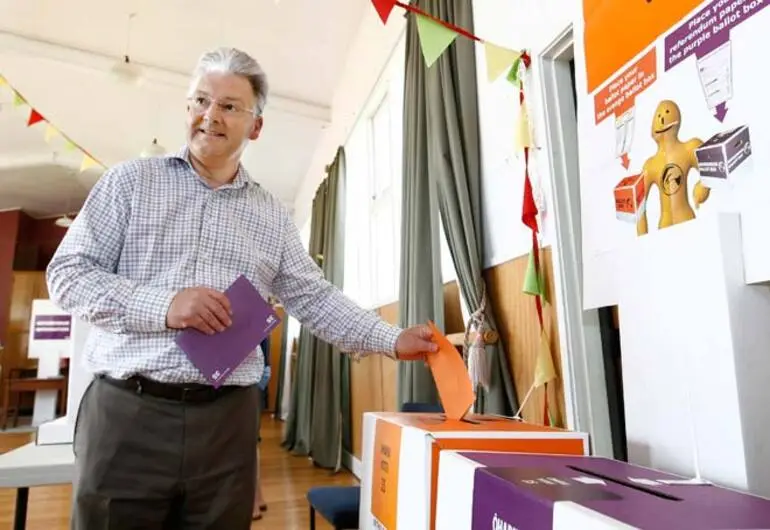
322,307
82,275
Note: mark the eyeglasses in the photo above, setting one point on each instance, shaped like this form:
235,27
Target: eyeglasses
200,104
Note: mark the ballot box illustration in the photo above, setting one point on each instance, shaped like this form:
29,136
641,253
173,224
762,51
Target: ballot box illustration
482,490
630,199
722,157
402,452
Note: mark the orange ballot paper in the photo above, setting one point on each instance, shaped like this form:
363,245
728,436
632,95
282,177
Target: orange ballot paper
452,381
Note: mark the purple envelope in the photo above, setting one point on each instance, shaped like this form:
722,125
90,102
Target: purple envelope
216,356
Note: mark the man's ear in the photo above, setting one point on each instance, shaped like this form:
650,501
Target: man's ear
256,128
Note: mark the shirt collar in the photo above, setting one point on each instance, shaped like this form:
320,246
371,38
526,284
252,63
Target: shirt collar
241,179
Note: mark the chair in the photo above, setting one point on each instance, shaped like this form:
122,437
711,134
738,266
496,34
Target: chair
340,505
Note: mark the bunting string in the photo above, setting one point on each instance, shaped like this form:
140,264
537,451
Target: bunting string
50,130
436,35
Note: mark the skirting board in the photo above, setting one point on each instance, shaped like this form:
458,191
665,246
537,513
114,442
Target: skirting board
352,463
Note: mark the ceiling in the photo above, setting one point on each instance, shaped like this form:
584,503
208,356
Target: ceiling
59,55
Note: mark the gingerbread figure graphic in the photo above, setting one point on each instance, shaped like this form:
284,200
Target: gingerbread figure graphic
668,169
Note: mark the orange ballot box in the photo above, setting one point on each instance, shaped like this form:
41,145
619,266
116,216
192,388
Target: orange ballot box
401,454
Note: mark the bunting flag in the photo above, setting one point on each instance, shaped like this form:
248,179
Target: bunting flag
35,116
434,38
437,35
499,60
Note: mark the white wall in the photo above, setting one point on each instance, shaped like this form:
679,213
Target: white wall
531,25
369,53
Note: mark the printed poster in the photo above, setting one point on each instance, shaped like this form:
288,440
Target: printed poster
387,447
672,99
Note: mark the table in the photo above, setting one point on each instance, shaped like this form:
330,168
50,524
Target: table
34,465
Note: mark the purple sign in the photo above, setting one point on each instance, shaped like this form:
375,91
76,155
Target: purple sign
52,327
216,356
708,29
519,491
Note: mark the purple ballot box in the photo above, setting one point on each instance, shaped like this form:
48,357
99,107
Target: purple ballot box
216,356
538,492
721,155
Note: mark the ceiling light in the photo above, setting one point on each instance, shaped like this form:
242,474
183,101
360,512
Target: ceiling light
126,71
65,221
153,150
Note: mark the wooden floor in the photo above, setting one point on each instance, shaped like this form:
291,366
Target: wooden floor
286,479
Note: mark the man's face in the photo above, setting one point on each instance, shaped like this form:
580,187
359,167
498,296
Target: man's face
221,118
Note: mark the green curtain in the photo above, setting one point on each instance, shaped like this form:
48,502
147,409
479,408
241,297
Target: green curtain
421,296
320,419
280,373
450,96
297,436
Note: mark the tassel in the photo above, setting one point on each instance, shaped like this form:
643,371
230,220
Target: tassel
476,351
478,363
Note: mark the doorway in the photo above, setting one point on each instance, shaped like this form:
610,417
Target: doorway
590,339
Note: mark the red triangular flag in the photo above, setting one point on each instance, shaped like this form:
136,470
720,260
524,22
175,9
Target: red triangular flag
528,206
384,7
34,117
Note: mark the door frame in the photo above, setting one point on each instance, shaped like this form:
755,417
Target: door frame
585,388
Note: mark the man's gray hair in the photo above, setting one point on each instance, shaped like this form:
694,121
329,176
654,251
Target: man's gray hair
234,61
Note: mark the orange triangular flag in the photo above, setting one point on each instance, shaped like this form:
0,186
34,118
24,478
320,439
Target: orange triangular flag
34,117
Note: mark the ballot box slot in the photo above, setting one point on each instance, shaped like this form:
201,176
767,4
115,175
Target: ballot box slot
628,484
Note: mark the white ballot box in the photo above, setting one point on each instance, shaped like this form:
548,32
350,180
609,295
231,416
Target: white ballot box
61,431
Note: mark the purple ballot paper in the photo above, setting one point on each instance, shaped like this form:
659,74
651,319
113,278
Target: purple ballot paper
216,356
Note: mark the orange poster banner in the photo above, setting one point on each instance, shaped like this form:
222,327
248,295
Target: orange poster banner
616,31
618,95
387,447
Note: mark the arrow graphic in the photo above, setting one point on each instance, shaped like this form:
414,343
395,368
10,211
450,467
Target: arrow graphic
721,111
625,160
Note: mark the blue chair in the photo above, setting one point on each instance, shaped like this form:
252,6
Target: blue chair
340,505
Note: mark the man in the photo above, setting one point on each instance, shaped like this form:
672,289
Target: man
150,253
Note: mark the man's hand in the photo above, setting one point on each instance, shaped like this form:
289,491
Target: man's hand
414,343
204,309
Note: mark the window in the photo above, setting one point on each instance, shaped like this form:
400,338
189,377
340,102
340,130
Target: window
373,205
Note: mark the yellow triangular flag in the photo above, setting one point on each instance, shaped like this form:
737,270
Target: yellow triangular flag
87,162
18,101
69,145
434,38
522,136
3,82
499,59
50,132
544,368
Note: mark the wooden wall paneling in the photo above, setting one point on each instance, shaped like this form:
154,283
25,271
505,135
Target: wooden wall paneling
520,332
453,314
276,341
365,395
25,287
389,367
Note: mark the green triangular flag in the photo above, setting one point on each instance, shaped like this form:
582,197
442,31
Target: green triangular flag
434,38
513,73
533,281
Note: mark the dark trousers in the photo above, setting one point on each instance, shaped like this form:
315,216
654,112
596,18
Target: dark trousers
151,463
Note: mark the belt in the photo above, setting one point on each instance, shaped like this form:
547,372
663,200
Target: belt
181,392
